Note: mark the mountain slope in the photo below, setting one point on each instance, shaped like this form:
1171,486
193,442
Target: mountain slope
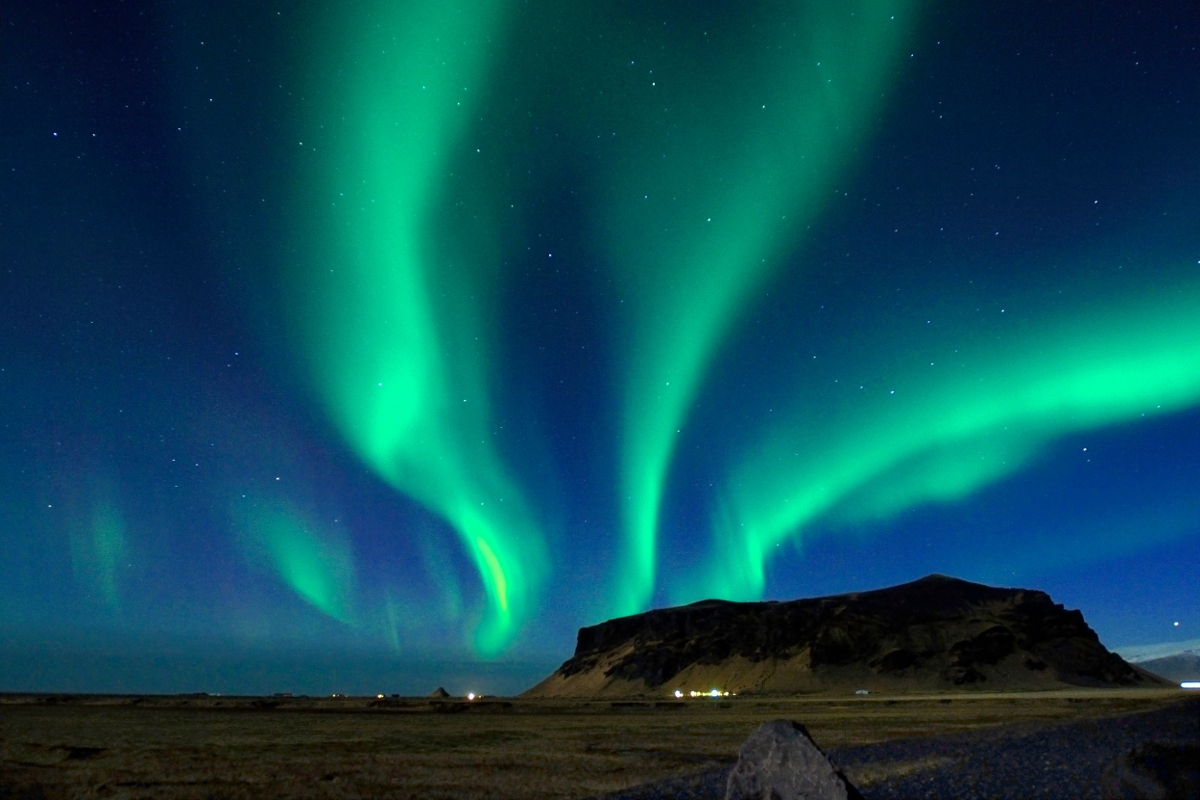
932,634
1176,668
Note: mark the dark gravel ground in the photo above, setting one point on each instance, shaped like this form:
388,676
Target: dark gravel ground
1020,762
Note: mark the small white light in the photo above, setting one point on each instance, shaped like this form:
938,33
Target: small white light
1190,685
715,693
678,693
470,695
379,696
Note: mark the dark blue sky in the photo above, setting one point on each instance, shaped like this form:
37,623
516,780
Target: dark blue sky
359,347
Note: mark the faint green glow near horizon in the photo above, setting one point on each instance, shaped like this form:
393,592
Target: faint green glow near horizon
709,198
942,436
395,330
318,565
98,549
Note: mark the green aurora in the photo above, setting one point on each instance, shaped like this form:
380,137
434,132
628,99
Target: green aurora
395,326
314,562
370,346
99,547
894,437
720,157
395,330
705,200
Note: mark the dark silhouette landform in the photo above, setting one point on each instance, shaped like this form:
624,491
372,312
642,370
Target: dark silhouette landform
932,635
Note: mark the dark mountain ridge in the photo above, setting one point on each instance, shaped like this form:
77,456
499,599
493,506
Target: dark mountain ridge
936,632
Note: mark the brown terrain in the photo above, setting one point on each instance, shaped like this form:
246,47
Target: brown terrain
196,748
934,634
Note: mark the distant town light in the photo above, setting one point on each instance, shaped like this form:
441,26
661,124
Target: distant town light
715,693
379,696
1190,685
470,695
678,693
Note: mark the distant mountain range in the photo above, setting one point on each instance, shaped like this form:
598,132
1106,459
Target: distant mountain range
1175,661
1176,668
934,634
1135,654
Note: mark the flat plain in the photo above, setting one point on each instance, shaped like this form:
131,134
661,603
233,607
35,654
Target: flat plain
56,746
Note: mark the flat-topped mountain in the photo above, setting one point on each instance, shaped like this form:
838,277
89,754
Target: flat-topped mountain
937,633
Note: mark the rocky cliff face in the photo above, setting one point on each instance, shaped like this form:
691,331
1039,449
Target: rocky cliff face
935,633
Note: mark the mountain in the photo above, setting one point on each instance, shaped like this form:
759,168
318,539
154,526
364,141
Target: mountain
1175,661
1136,654
936,633
1177,668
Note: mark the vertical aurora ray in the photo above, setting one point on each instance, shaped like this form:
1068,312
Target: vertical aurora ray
98,548
939,435
392,311
709,196
316,564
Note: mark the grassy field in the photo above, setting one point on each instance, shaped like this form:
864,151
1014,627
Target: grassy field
209,747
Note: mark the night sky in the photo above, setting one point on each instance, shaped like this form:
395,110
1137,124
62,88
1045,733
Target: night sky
366,346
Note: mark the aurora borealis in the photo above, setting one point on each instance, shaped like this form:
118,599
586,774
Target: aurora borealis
369,336
396,328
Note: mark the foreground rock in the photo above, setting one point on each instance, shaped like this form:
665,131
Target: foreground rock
780,760
934,634
1064,758
1155,771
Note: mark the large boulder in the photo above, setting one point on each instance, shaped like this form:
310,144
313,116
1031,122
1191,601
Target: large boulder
780,760
1155,771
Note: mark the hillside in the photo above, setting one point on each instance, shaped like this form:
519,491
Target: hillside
936,633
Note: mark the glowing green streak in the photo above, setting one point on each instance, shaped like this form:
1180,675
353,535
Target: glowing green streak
98,549
319,567
940,440
393,619
499,585
708,203
392,320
